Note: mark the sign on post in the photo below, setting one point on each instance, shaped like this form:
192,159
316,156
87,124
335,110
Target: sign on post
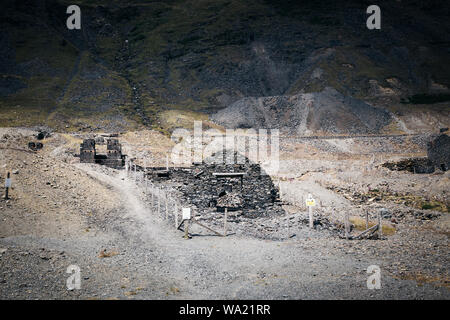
186,218
310,202
8,183
186,213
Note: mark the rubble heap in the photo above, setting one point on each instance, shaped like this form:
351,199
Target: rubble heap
238,187
232,200
414,165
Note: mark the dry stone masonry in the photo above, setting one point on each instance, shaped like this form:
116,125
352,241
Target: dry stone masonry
113,159
238,187
438,151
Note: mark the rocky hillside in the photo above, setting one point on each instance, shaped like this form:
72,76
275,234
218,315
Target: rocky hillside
161,64
328,111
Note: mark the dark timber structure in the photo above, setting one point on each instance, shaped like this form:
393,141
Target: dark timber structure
114,157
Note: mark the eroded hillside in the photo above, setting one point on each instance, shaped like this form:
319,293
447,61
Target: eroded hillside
164,64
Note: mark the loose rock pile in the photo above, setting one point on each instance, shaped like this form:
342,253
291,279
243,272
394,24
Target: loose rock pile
414,165
254,193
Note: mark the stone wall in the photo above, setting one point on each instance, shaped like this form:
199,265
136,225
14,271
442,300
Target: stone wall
256,196
438,152
113,158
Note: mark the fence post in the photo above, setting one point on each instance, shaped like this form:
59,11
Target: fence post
347,226
288,226
167,208
225,222
159,202
152,190
279,190
7,185
176,215
380,226
367,219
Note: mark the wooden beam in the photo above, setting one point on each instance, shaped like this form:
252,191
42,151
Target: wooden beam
228,174
206,227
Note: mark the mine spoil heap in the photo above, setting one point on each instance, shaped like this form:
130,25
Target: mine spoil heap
238,187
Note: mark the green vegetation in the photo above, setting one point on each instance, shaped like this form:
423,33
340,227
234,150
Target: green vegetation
432,205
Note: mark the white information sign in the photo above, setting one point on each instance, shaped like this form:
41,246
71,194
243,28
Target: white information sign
8,183
186,213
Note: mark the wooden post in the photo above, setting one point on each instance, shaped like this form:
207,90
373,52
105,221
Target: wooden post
347,226
288,226
7,185
152,190
167,162
380,226
167,207
279,189
311,219
176,215
159,202
225,223
186,229
367,219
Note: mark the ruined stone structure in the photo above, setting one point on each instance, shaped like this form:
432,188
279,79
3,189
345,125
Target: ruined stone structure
237,187
114,157
438,157
438,152
87,151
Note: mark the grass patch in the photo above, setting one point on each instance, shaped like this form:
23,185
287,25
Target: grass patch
430,205
106,254
360,225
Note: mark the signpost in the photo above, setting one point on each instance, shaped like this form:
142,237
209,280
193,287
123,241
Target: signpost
310,202
186,216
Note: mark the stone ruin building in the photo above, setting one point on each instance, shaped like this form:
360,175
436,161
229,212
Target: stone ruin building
438,152
438,156
242,188
113,157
